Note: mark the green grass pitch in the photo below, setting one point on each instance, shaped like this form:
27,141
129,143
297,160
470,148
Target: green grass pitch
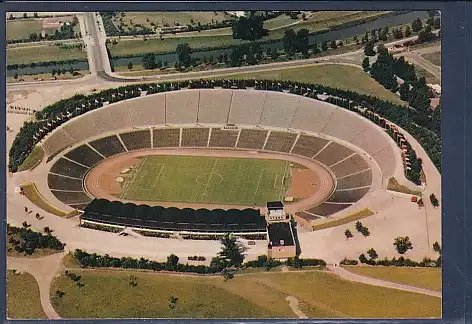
213,180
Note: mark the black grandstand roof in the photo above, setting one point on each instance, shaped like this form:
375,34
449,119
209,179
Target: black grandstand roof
278,232
160,218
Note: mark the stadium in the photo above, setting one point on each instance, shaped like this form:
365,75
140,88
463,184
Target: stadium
203,162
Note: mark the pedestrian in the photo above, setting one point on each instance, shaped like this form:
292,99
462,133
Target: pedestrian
37,215
26,209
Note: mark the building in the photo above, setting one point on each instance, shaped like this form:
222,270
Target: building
281,240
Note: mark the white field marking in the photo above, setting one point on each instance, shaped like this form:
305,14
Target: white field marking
134,177
156,181
258,182
281,192
209,178
275,181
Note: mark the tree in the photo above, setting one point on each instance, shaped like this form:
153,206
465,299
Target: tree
425,35
366,64
437,247
434,200
26,225
227,274
183,52
15,75
359,226
35,15
25,15
416,25
403,244
249,28
172,261
324,46
231,252
369,49
173,301
404,91
159,64
149,61
47,230
348,234
362,258
333,44
289,41
437,23
130,65
11,17
407,31
372,253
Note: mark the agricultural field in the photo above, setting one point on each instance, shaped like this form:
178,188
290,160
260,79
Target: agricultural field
256,295
427,278
23,297
159,19
42,53
21,29
233,181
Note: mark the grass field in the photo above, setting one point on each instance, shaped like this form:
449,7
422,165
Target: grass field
434,58
395,186
333,75
41,53
21,29
32,193
232,181
428,278
430,78
258,295
23,297
345,220
33,159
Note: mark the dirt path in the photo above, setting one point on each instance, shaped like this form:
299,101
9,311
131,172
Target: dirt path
343,273
44,270
293,302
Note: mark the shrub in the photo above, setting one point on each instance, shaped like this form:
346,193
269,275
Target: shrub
403,244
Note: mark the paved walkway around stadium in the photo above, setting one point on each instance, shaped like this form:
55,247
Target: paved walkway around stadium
43,270
344,274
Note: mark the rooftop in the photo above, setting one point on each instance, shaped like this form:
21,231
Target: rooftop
280,234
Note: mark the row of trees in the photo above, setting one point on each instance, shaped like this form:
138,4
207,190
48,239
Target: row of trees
26,241
44,63
410,120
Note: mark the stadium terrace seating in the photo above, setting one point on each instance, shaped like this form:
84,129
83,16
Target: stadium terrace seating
195,137
79,206
349,166
147,110
246,107
69,169
72,197
57,141
214,106
312,115
306,216
159,218
137,140
108,146
63,183
356,180
280,141
166,137
308,145
83,127
84,155
252,139
345,125
386,161
348,196
112,117
223,137
333,153
371,140
326,209
279,109
182,106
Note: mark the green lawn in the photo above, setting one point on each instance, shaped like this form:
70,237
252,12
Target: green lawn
21,29
107,293
333,75
428,278
41,53
233,181
430,78
345,220
33,159
395,186
23,297
434,58
32,193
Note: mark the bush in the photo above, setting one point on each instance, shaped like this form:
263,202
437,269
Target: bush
346,261
403,244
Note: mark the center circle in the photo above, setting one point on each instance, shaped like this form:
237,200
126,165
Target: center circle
208,178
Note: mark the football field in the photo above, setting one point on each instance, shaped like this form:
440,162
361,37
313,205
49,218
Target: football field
213,180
